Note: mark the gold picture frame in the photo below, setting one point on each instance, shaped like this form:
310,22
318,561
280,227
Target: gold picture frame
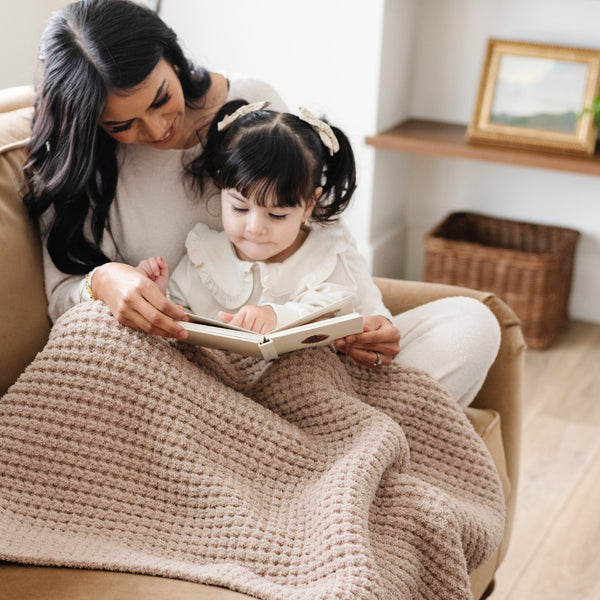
534,96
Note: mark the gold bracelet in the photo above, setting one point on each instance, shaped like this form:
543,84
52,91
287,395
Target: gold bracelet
88,287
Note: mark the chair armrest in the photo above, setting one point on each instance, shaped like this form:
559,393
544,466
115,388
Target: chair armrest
400,295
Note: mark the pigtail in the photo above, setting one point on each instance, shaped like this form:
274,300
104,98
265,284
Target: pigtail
339,180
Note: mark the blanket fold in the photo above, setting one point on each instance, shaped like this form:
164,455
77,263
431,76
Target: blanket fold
305,478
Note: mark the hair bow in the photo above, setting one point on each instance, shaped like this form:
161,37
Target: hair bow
323,130
229,120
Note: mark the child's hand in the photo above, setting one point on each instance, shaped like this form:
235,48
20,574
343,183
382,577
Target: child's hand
157,270
260,319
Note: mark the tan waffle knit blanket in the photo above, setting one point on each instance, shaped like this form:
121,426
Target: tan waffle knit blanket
306,478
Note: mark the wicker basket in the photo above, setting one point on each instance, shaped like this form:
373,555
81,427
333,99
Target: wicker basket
529,266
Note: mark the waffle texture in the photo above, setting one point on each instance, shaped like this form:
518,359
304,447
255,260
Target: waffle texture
305,478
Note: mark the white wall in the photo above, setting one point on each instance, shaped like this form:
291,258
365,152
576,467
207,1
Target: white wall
387,233
447,60
21,25
322,54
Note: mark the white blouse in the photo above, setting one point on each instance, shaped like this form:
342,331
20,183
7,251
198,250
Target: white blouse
211,277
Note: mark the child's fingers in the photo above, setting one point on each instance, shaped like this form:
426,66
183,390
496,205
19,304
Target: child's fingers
240,319
155,266
144,267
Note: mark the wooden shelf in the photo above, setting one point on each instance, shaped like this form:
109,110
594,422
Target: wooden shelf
436,138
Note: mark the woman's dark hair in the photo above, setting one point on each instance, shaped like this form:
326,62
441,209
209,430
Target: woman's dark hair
89,47
269,154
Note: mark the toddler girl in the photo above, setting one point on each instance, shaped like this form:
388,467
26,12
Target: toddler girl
269,266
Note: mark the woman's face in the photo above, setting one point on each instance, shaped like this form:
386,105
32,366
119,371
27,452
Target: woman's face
151,113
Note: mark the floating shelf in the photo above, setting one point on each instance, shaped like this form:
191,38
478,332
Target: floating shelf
437,138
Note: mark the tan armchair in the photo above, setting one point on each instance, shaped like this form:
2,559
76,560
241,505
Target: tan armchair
495,414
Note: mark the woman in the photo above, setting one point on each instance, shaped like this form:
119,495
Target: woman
119,113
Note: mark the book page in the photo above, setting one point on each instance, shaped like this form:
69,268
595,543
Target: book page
341,307
214,323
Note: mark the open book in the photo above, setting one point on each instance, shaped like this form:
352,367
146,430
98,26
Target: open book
318,328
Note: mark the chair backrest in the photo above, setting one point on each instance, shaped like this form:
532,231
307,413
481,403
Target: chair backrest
24,325
16,97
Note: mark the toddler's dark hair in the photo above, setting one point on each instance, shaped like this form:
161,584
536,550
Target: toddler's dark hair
267,154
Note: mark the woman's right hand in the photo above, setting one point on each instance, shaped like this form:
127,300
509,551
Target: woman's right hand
136,301
380,341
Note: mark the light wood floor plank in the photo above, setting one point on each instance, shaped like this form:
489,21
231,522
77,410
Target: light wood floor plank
560,453
558,373
566,565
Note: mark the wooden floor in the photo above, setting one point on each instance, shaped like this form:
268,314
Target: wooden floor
554,552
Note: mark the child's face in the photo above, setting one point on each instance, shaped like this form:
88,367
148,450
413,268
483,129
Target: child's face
267,233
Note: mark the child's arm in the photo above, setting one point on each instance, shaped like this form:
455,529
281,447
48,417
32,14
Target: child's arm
156,269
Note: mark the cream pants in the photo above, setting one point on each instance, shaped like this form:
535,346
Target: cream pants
453,339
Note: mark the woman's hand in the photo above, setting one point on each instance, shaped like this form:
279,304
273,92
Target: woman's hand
379,338
136,301
260,319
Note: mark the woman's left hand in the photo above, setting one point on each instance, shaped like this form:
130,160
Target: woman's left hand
380,338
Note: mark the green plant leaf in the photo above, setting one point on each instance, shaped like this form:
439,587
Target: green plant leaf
594,109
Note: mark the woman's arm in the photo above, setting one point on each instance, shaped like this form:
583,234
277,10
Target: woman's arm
132,298
62,290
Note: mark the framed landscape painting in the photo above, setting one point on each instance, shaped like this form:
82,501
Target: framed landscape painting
536,96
